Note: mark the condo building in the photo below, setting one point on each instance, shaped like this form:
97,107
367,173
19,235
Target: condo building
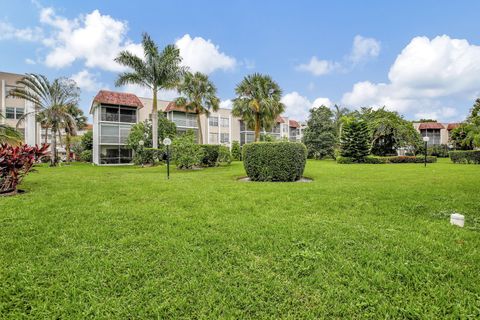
114,113
438,133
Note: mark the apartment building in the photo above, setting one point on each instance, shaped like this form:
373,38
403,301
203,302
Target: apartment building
438,133
114,113
12,109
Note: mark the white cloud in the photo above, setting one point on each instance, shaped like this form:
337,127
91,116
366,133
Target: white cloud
297,106
443,113
144,92
364,48
94,38
9,32
30,61
318,67
88,81
202,55
226,104
424,73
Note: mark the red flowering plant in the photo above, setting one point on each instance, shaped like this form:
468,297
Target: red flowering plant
16,162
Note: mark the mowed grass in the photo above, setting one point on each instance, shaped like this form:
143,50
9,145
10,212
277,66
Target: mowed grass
361,241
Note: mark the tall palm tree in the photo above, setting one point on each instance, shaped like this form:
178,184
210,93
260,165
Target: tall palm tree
77,122
199,96
9,134
44,122
338,114
258,102
157,71
50,98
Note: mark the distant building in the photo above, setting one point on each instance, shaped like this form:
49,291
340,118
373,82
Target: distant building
439,133
114,113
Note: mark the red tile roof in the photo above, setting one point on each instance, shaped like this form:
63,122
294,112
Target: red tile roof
172,106
293,123
89,127
280,120
452,126
118,98
430,125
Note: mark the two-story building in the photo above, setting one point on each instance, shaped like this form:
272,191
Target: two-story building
114,113
438,133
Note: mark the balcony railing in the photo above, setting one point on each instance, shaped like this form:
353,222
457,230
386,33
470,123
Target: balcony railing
189,123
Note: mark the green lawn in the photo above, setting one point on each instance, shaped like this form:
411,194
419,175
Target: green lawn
361,241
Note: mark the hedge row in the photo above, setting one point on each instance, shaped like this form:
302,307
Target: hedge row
465,156
274,161
213,154
381,160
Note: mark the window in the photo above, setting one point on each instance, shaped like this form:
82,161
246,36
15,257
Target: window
119,114
10,113
14,112
224,122
213,138
224,138
115,155
213,121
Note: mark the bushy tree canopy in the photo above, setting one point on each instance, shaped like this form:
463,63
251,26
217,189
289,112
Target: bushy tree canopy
467,135
355,139
320,135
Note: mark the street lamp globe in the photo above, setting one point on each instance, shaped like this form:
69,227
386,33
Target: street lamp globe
426,139
141,143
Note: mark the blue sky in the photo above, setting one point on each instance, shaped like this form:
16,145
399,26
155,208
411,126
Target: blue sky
420,58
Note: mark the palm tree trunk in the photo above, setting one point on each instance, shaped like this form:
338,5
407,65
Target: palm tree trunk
67,146
155,120
53,148
199,124
257,127
46,135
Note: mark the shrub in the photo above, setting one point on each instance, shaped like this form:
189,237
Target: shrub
274,161
16,162
465,156
440,151
86,142
344,160
408,159
185,152
375,160
236,151
210,155
224,155
86,156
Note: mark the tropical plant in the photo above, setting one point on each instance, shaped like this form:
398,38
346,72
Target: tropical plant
467,135
9,134
258,102
156,71
355,140
389,131
199,95
77,121
185,152
53,99
236,151
87,140
319,136
338,114
16,162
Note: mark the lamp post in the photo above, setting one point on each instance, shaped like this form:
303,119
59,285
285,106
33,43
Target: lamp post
141,143
426,139
168,142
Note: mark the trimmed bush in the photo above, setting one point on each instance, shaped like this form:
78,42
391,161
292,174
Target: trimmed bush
210,155
274,161
224,155
408,159
236,151
382,160
86,156
185,152
465,156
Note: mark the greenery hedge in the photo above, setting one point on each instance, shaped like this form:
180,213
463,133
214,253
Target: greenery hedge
274,161
214,154
465,156
381,160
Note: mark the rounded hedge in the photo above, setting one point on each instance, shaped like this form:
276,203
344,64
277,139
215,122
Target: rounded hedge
274,161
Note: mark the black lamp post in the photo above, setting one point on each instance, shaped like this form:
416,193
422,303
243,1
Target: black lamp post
426,139
167,142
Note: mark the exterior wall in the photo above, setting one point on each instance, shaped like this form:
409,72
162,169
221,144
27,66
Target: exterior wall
29,128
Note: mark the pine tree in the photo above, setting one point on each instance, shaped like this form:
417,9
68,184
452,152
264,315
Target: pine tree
355,139
319,137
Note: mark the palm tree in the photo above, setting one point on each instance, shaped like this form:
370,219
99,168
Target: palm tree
199,96
78,121
44,122
157,71
338,114
9,134
52,99
258,102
